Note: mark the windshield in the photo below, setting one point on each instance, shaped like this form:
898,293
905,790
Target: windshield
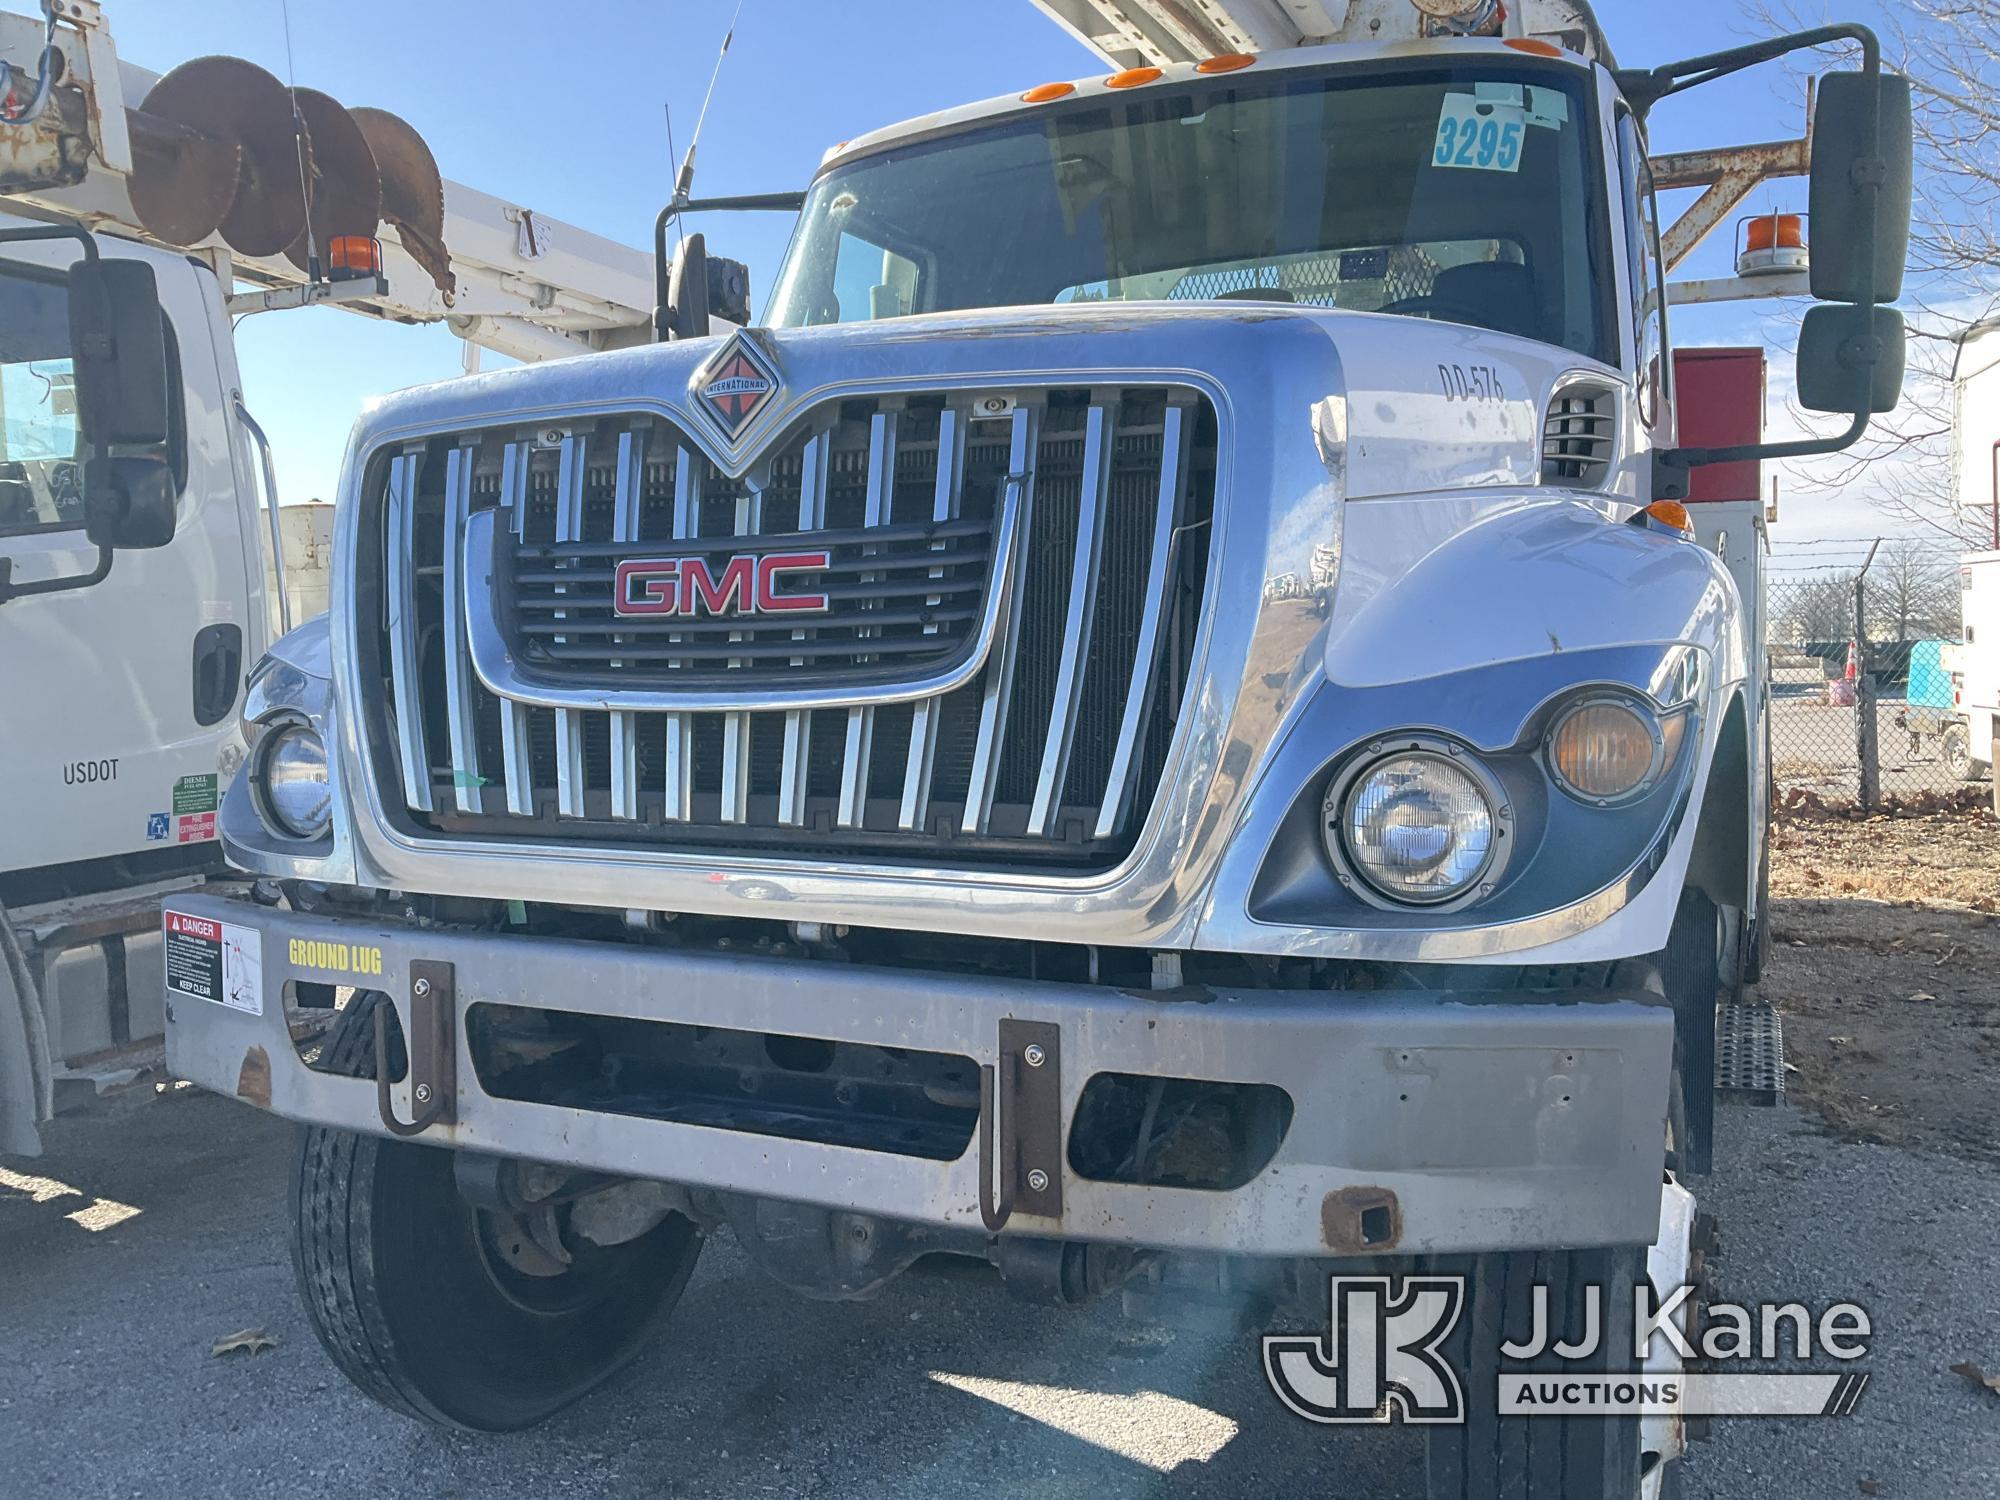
1468,194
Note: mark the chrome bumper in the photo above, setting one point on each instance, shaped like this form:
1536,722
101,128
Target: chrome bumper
1484,1121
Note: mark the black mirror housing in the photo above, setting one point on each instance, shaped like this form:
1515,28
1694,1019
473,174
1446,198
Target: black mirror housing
118,344
1841,160
1850,358
128,501
729,290
687,291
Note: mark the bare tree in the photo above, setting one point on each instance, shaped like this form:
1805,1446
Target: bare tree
1913,593
1812,607
1950,49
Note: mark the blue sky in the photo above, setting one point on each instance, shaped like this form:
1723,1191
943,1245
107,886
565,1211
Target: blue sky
560,107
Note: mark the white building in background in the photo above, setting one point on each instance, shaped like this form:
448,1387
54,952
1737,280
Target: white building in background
308,533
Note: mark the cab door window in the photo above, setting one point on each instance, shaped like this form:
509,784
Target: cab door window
40,481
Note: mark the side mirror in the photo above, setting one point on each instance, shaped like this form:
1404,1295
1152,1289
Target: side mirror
128,501
118,349
1843,159
1851,349
687,291
1850,358
118,343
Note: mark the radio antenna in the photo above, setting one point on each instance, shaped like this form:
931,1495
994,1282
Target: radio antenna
685,181
680,233
299,140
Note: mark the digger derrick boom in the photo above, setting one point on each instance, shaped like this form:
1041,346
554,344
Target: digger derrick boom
208,158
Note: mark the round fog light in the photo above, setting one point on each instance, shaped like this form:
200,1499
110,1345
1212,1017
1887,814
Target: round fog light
1604,749
1416,826
296,797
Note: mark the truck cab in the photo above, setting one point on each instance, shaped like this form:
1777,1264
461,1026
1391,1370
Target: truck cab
1148,724
132,715
124,669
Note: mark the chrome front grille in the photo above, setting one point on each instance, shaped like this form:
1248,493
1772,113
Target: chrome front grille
1056,553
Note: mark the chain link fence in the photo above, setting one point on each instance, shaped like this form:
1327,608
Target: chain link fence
1867,716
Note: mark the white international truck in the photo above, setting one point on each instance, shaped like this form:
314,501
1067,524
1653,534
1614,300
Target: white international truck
123,672
1156,722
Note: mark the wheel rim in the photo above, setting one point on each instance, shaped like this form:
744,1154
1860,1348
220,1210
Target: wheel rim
505,1245
1673,1259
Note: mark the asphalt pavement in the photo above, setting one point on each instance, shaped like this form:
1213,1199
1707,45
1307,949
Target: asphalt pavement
146,1234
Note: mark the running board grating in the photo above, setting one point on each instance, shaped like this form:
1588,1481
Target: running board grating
1749,1054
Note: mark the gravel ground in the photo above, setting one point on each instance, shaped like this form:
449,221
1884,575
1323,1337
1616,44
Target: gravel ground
1907,1236
1886,968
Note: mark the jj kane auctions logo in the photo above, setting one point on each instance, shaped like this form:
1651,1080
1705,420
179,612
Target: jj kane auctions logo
1383,1357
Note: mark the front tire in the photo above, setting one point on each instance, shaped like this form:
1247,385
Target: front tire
412,1298
1491,1457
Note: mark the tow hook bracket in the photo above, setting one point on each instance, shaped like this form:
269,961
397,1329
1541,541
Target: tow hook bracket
1020,1125
433,1051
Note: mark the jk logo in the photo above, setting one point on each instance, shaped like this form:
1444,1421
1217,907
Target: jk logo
1380,1353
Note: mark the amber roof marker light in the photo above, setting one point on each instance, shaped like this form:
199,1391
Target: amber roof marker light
1132,78
1042,93
1532,45
1670,515
1226,62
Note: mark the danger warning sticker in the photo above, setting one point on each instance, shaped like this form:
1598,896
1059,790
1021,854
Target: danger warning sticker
216,961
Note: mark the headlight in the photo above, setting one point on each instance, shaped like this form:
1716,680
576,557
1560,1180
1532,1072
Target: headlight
1608,749
291,773
1418,826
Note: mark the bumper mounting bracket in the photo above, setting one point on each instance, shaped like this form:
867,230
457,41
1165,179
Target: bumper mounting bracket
1020,1125
433,1051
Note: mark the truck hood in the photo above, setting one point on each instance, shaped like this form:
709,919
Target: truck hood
1432,430
1429,405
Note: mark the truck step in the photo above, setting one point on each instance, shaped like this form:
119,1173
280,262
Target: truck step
1749,1054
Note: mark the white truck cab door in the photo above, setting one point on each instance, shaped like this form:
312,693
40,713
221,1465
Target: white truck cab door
118,701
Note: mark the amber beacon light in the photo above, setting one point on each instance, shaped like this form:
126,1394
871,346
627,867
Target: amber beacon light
352,256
